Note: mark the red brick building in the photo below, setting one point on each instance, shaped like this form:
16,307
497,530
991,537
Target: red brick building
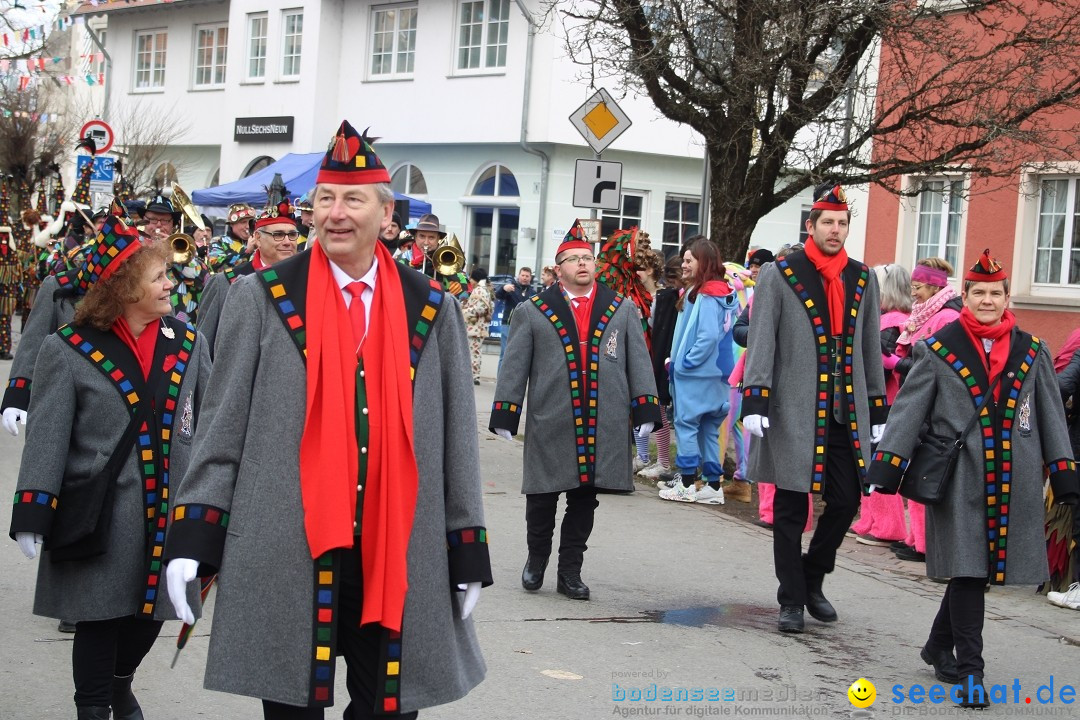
1030,219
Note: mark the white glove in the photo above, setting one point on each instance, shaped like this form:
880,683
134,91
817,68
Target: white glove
472,595
178,573
756,425
876,431
504,434
644,430
28,543
11,416
873,488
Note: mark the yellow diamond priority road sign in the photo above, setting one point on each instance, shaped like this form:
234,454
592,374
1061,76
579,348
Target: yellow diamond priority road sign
600,120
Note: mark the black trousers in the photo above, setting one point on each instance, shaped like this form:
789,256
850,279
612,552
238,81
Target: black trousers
359,644
959,623
842,491
577,525
106,648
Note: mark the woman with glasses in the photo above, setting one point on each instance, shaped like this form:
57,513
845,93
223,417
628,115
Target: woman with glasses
934,305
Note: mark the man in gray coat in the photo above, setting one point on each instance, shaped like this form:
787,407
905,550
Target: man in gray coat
571,360
335,487
814,395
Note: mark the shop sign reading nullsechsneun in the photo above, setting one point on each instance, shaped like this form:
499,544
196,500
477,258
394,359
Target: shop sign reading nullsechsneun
263,129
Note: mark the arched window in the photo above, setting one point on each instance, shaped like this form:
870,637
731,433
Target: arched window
408,180
257,164
165,175
215,179
498,220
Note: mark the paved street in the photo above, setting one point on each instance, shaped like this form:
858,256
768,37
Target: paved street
682,596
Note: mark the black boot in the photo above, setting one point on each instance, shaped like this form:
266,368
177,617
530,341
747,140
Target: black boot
570,585
791,619
816,604
124,704
973,693
944,664
532,577
88,712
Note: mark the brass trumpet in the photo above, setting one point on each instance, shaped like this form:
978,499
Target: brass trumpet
182,246
448,257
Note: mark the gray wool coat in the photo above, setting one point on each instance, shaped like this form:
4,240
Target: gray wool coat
77,415
785,367
542,357
999,478
213,300
53,307
247,464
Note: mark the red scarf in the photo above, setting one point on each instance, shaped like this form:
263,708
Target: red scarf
142,347
999,351
257,261
328,448
830,267
716,288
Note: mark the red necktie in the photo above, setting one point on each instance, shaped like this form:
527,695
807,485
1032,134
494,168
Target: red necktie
356,311
581,318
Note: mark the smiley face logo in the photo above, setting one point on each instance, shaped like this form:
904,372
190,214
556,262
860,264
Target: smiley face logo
862,693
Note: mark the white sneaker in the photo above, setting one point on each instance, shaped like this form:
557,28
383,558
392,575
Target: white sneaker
654,471
708,496
679,493
639,464
1068,599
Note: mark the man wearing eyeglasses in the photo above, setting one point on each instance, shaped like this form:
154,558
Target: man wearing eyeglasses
572,345
275,239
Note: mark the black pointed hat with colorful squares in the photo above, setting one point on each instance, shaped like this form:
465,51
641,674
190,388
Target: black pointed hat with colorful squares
987,269
115,243
574,240
42,205
81,194
830,196
350,160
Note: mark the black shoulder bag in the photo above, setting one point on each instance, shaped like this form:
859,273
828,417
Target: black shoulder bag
80,528
933,463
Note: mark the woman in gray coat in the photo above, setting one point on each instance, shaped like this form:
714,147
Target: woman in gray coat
124,378
989,527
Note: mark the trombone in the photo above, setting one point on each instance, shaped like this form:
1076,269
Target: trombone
183,245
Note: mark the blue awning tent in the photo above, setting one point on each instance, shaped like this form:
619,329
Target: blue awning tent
298,171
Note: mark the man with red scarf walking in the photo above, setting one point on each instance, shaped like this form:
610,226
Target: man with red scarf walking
814,395
341,512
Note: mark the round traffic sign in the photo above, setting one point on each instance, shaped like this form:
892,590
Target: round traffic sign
101,133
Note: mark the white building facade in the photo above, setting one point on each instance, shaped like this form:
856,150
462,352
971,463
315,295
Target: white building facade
470,103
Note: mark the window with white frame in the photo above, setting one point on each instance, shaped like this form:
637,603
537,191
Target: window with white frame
937,223
150,48
211,45
682,220
632,209
1057,243
408,180
393,40
292,28
483,28
256,46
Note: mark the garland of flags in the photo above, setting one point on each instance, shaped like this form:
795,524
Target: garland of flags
33,70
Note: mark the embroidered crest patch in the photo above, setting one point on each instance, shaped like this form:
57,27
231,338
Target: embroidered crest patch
187,419
1023,417
612,349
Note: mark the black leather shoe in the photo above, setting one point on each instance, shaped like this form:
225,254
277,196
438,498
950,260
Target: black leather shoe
124,704
819,608
65,627
944,664
572,587
532,577
791,619
909,553
973,693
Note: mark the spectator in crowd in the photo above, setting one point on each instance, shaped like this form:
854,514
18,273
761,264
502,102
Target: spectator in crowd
477,310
